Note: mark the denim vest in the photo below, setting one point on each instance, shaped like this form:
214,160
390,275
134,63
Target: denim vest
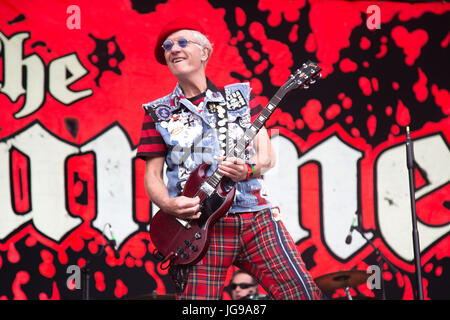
194,137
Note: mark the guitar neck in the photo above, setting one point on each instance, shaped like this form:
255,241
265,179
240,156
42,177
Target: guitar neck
249,135
256,126
305,75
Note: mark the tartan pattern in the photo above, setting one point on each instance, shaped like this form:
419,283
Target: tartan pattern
258,244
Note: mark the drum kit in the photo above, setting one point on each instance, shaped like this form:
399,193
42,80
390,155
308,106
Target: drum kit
343,280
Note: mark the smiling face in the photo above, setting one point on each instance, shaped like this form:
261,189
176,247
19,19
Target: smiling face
188,61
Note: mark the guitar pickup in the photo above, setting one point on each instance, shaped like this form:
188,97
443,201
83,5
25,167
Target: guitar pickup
207,189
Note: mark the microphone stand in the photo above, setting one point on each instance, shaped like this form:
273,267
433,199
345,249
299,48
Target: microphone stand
415,233
381,259
86,271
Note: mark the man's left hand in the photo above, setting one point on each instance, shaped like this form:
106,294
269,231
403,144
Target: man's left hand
233,168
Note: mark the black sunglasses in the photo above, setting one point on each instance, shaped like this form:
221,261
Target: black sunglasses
182,43
242,285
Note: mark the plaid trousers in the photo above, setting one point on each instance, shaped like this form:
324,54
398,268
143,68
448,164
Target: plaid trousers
259,244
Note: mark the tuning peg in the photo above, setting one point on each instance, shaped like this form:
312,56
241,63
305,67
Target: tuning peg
312,81
305,87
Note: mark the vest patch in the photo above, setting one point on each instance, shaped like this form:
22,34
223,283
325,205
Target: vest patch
235,100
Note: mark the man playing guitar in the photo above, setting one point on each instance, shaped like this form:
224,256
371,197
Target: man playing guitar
196,124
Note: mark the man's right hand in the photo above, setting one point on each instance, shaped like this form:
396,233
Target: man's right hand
183,207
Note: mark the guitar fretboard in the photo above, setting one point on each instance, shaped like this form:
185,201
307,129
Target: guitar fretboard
308,71
249,135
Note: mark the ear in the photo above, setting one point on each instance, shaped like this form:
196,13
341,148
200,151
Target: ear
205,54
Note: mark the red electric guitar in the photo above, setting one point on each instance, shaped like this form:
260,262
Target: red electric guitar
185,242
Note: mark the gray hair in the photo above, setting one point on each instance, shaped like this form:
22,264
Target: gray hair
203,42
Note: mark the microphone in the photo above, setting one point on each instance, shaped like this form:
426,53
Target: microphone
349,238
409,150
250,296
113,244
256,296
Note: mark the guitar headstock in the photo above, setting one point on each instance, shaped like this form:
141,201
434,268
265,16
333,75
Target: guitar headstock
303,77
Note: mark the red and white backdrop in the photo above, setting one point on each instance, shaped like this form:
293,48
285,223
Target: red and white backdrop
74,75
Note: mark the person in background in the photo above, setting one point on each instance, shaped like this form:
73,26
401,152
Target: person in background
243,286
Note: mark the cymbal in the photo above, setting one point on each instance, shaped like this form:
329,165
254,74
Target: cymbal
341,279
154,296
357,297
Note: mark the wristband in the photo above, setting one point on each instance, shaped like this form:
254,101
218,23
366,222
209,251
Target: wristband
250,171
